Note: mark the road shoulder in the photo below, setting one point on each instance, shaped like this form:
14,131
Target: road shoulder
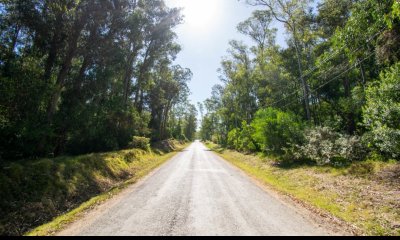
69,223
319,217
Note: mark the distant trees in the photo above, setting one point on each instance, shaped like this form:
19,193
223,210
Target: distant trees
339,71
191,123
82,76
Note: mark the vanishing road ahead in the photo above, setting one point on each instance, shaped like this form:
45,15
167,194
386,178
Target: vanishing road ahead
195,193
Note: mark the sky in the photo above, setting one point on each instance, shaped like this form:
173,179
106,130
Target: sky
208,27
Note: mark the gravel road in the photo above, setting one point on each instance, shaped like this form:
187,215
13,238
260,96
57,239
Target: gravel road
195,193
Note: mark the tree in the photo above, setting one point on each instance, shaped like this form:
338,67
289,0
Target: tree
258,27
191,123
86,76
291,13
200,108
345,46
170,89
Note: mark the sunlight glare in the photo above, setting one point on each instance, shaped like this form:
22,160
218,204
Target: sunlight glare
200,14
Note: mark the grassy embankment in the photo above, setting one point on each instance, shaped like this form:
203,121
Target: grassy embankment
61,189
366,195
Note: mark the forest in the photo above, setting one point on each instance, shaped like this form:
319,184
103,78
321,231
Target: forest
92,101
90,76
330,97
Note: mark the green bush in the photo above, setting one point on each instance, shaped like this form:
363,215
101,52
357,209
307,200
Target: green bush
234,139
382,113
325,146
275,131
140,143
242,139
247,143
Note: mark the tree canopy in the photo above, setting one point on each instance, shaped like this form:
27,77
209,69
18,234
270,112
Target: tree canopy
83,76
338,73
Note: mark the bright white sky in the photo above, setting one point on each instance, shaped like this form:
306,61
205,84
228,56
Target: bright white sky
208,27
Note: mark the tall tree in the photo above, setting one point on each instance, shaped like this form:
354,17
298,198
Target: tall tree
291,13
85,76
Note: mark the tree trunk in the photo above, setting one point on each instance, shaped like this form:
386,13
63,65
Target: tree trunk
306,88
351,123
128,73
139,91
165,120
362,73
127,79
53,51
66,66
14,40
141,101
79,80
50,61
10,53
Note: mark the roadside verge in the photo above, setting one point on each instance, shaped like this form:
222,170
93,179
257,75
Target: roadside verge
368,204
56,192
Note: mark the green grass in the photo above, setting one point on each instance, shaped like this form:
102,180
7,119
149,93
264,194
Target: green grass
57,191
347,193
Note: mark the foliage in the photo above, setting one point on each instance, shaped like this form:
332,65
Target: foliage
276,130
191,123
86,76
325,146
242,139
326,75
234,139
140,143
248,144
382,112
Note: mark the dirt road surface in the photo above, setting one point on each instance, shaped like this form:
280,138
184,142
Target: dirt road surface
195,193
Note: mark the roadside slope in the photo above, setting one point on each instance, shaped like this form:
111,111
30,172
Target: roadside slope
34,192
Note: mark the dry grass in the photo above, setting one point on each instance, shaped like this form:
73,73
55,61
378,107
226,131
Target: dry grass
366,195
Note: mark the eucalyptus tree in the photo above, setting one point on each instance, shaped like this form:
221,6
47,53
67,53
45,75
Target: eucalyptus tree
191,122
259,28
169,89
292,14
240,87
351,51
269,78
79,76
158,43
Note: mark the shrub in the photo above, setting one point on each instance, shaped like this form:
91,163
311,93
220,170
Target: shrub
242,139
276,131
140,143
234,138
382,113
362,169
325,146
247,142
